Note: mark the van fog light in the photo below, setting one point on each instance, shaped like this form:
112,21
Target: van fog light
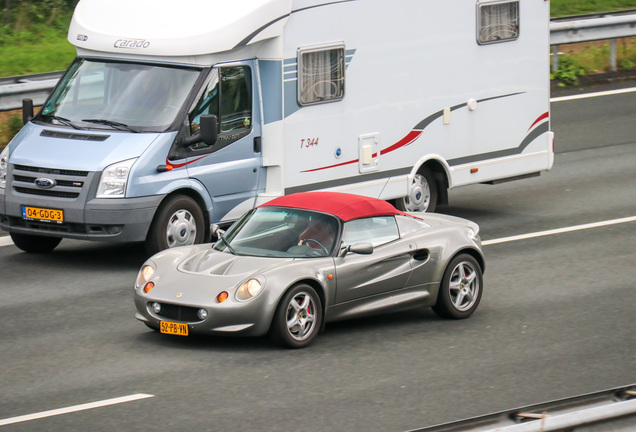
156,307
203,314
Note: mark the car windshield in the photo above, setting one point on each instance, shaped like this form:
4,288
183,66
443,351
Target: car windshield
133,97
281,232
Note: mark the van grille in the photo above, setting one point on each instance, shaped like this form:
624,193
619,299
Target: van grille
68,184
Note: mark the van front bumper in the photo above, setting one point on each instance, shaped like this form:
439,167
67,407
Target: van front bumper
111,220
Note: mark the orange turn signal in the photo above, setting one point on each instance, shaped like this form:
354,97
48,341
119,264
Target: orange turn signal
148,287
222,297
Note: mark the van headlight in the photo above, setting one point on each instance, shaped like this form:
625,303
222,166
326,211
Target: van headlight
114,178
4,167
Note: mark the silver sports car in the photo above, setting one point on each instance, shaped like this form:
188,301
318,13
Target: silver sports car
289,266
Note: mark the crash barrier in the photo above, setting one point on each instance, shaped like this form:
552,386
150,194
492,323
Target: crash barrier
34,87
588,28
582,28
611,410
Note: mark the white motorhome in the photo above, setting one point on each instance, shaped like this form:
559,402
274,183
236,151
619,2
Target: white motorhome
176,115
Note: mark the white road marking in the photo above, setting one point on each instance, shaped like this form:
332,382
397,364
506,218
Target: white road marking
5,241
75,408
558,231
590,95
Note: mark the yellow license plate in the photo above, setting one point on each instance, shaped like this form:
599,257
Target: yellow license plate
179,329
43,214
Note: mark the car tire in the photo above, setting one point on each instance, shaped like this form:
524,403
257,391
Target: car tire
461,288
178,222
298,317
422,193
35,243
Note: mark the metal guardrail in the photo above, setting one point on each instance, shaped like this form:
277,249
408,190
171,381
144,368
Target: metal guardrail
591,28
609,410
36,87
565,30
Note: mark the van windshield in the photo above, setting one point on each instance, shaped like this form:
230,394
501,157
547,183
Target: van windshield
96,94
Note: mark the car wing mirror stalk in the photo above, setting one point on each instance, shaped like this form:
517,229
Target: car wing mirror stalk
358,248
208,131
216,231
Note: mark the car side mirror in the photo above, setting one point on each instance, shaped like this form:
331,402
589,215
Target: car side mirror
358,248
208,131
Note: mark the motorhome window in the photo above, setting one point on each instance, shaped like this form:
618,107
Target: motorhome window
96,94
321,75
232,103
498,22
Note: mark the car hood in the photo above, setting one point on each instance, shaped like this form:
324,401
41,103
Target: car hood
210,262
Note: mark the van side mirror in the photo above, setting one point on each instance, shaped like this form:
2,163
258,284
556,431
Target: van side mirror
216,232
358,248
208,131
27,110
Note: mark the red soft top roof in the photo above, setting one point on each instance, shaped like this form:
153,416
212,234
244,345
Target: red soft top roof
345,206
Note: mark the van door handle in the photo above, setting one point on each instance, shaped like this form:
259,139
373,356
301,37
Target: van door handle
257,144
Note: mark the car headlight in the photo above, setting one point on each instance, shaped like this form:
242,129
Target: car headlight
249,289
114,178
4,167
144,275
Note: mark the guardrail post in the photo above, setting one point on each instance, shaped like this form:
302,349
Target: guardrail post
613,67
555,58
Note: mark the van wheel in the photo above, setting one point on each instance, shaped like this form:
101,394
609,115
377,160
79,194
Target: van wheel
422,194
178,222
34,243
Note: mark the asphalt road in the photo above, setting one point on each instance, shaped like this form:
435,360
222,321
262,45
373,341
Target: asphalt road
556,320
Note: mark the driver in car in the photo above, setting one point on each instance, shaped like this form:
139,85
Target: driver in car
318,233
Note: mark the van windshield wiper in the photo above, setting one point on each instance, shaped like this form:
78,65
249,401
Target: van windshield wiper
62,120
113,124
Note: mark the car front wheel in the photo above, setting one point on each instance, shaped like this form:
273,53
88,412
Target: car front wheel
461,288
298,317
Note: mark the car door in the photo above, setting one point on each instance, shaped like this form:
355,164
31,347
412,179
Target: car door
387,269
230,169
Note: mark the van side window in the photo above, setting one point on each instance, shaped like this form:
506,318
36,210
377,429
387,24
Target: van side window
236,99
374,230
231,102
497,21
321,75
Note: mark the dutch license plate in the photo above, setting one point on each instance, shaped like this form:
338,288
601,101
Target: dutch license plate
42,214
179,329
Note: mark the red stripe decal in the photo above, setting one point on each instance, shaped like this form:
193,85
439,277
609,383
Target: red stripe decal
332,166
541,117
183,164
412,136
